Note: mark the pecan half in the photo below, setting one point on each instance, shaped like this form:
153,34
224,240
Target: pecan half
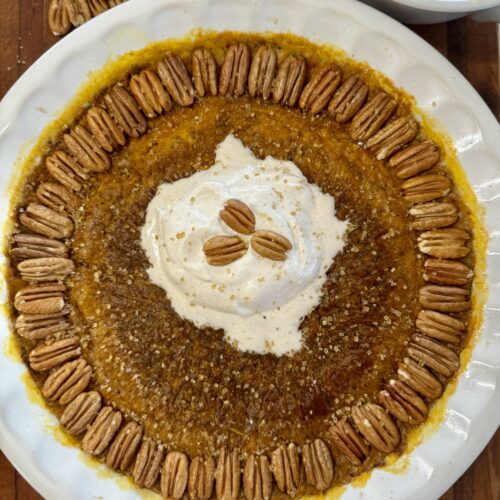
40,326
114,3
447,272
174,476
415,159
86,150
424,188
440,326
234,70
261,76
67,382
320,89
34,246
204,71
420,379
444,243
81,412
444,298
349,442
318,464
107,132
285,467
47,356
433,215
394,136
102,430
227,475
434,355
98,6
238,216
46,269
377,427
58,17
40,299
270,245
201,478
123,448
57,197
257,478
174,75
125,111
78,11
150,93
148,464
289,81
45,221
222,250
403,403
64,168
348,99
371,117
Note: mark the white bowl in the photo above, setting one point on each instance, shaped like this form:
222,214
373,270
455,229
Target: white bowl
438,11
471,416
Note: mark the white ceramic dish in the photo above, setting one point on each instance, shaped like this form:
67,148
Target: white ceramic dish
438,11
472,415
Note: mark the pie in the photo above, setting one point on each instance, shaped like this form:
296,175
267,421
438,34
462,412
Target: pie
244,268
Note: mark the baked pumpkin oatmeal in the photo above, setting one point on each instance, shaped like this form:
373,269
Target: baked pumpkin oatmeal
244,269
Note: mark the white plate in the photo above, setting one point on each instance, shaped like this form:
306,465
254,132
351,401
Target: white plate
472,415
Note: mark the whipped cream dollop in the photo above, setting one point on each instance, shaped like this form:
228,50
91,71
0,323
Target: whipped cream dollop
259,303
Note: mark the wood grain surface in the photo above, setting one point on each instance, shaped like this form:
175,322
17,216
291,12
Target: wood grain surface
471,47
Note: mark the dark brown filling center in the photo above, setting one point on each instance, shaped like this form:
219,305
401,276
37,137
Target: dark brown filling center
188,386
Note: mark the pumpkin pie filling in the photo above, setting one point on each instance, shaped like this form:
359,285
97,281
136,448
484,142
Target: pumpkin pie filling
361,355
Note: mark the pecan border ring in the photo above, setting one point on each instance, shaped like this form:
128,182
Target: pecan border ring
44,309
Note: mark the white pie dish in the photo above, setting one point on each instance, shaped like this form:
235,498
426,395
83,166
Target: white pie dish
58,472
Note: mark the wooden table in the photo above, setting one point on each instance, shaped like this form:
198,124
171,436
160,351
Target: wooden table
471,47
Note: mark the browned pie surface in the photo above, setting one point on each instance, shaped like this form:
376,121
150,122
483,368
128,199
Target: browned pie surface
189,387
